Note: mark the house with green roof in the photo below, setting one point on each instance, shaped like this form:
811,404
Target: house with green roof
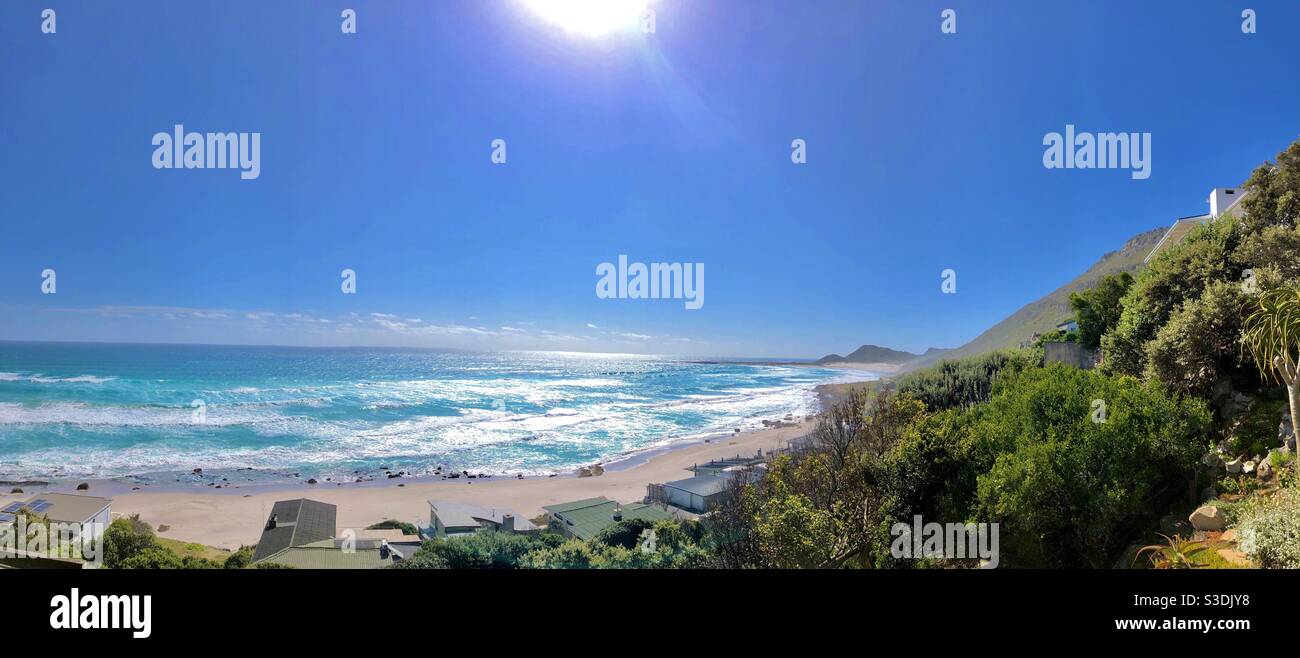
301,533
295,523
338,554
584,519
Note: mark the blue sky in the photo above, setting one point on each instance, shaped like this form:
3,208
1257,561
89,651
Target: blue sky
924,153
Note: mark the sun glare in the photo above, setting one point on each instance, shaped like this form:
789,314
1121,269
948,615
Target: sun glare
591,17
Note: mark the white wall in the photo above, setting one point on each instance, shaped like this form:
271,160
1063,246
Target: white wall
1221,198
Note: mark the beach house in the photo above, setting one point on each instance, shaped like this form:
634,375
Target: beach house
295,522
301,533
92,513
1223,200
453,518
699,494
703,492
584,519
340,554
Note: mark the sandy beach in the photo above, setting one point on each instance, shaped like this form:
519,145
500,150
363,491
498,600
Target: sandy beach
234,517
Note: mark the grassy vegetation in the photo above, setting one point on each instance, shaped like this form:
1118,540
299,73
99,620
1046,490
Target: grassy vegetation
389,524
193,550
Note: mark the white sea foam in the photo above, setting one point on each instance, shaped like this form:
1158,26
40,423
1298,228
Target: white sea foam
42,379
512,424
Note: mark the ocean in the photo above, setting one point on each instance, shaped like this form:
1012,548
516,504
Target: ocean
90,410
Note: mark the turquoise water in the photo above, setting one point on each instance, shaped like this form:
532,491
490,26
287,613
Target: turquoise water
100,410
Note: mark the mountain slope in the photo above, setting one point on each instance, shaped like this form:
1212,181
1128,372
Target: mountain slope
872,354
1042,315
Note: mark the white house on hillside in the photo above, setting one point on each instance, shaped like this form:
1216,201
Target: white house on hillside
1222,200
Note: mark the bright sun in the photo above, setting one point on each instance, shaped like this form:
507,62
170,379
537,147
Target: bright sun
591,17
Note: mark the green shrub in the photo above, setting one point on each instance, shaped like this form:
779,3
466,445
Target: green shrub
1255,432
961,383
1068,490
1178,274
624,533
1270,532
1200,343
1097,310
240,559
126,538
153,557
390,524
481,550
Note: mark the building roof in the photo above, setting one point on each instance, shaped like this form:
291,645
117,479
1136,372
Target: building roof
297,523
585,519
1184,225
65,508
1176,233
331,554
730,462
390,535
701,485
456,514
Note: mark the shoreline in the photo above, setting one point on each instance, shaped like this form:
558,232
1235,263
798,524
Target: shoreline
230,518
232,515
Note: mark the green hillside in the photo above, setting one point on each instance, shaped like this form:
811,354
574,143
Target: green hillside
872,354
1043,315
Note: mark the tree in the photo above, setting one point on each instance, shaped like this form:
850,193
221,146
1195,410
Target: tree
963,382
1177,274
153,557
1271,334
1071,487
125,539
1275,192
1199,346
240,559
1097,310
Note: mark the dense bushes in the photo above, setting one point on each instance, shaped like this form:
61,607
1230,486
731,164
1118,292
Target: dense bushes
482,550
1200,344
1175,277
129,543
1269,529
124,539
1069,480
961,383
675,546
1072,464
1097,310
1080,461
1179,323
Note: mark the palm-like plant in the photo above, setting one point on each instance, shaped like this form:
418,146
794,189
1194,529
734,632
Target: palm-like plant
1271,333
1175,553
